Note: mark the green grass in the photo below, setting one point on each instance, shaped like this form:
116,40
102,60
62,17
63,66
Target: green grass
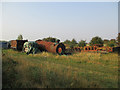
47,70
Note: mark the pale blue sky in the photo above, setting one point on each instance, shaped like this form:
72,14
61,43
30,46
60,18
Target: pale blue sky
82,21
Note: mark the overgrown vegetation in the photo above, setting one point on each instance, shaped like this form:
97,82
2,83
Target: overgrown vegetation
96,40
20,37
50,39
72,43
82,43
46,70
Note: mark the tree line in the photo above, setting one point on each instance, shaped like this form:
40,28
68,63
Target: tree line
73,43
95,40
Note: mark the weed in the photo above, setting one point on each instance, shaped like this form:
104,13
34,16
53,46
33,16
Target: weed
47,70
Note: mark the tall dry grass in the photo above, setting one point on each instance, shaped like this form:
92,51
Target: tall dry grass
47,70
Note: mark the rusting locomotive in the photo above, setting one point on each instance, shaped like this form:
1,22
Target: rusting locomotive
56,47
59,48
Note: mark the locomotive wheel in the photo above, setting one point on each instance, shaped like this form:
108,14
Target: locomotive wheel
60,50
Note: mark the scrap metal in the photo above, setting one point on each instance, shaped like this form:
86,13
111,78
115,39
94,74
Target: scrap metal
17,44
30,47
56,47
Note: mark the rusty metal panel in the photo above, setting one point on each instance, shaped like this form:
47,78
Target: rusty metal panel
51,47
13,44
107,49
17,44
91,49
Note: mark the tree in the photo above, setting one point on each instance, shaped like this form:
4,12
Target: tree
105,41
74,41
50,39
67,42
20,37
96,40
71,44
82,43
112,43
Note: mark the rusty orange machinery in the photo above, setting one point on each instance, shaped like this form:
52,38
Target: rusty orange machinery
91,49
108,49
76,49
58,48
17,44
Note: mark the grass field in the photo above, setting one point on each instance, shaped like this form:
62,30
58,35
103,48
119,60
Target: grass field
47,70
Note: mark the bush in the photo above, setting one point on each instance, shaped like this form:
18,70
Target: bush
50,39
96,40
82,43
72,43
112,43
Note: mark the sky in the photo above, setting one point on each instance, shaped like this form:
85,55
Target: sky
62,20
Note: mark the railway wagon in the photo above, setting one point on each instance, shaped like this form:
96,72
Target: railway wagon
17,44
91,49
4,45
58,48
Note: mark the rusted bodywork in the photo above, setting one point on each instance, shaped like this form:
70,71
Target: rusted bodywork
51,47
107,49
17,44
90,49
